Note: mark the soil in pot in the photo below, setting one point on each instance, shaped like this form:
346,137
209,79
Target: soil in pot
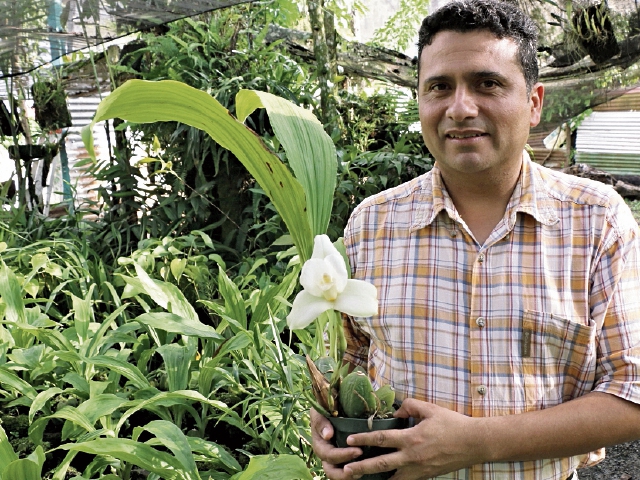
343,427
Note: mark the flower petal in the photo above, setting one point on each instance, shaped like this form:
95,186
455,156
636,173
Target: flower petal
306,308
359,299
311,275
323,247
340,276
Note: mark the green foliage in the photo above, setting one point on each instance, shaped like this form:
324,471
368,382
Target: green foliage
400,30
153,336
192,183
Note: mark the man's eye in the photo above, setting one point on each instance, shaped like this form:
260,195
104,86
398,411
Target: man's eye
489,84
438,87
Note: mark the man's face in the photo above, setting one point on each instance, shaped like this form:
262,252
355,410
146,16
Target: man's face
475,111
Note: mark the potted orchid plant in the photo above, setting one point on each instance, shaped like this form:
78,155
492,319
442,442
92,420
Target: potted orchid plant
303,200
347,398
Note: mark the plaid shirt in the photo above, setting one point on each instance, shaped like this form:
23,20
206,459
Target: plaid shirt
548,309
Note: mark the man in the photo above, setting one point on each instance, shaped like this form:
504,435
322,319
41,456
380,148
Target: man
509,318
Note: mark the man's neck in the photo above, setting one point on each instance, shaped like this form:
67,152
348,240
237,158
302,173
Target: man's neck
481,200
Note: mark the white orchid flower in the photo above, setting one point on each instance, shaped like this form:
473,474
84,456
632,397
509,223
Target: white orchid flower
327,286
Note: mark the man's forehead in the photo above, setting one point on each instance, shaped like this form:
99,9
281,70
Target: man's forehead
447,43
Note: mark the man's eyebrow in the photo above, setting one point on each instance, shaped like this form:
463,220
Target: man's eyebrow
489,74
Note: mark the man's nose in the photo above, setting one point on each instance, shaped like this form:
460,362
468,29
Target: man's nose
463,105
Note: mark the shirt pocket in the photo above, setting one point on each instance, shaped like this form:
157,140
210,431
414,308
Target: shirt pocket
558,359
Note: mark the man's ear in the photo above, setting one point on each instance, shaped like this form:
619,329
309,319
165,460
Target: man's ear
536,99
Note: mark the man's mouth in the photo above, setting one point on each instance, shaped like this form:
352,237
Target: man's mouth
462,136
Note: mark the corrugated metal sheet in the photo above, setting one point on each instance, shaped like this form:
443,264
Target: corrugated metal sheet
610,141
82,110
610,132
629,101
612,163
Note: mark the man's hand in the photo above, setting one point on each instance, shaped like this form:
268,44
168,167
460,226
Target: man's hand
441,442
332,457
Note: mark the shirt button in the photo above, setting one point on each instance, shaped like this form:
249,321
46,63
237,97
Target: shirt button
481,258
482,390
453,233
480,322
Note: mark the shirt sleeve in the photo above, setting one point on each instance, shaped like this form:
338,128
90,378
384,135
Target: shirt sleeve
357,341
615,309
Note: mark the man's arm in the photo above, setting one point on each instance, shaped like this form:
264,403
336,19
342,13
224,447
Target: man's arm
444,441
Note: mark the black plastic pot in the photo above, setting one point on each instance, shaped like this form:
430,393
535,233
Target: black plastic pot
343,427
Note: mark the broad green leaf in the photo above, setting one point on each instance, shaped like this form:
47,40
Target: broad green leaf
10,379
40,401
82,313
143,102
93,409
36,429
310,151
98,337
233,301
177,360
240,341
7,455
132,452
167,399
269,300
11,293
176,441
39,260
122,367
167,295
269,467
177,267
170,322
214,451
23,469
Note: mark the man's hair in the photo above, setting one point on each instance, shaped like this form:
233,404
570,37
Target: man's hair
502,19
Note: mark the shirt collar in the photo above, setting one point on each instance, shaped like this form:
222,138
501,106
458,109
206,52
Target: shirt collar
530,196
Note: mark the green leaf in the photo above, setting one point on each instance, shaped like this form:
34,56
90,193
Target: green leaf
11,293
82,313
94,408
170,322
167,399
176,441
132,452
214,451
167,295
7,455
98,337
36,429
310,151
8,378
122,367
144,102
233,301
23,469
177,360
40,401
177,267
269,467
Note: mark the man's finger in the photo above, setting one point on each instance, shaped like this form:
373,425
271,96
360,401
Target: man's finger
381,463
321,425
322,432
380,438
414,408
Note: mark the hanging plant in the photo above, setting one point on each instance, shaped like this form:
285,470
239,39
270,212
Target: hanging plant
50,103
595,32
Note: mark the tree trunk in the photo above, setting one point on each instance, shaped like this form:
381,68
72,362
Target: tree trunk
324,48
